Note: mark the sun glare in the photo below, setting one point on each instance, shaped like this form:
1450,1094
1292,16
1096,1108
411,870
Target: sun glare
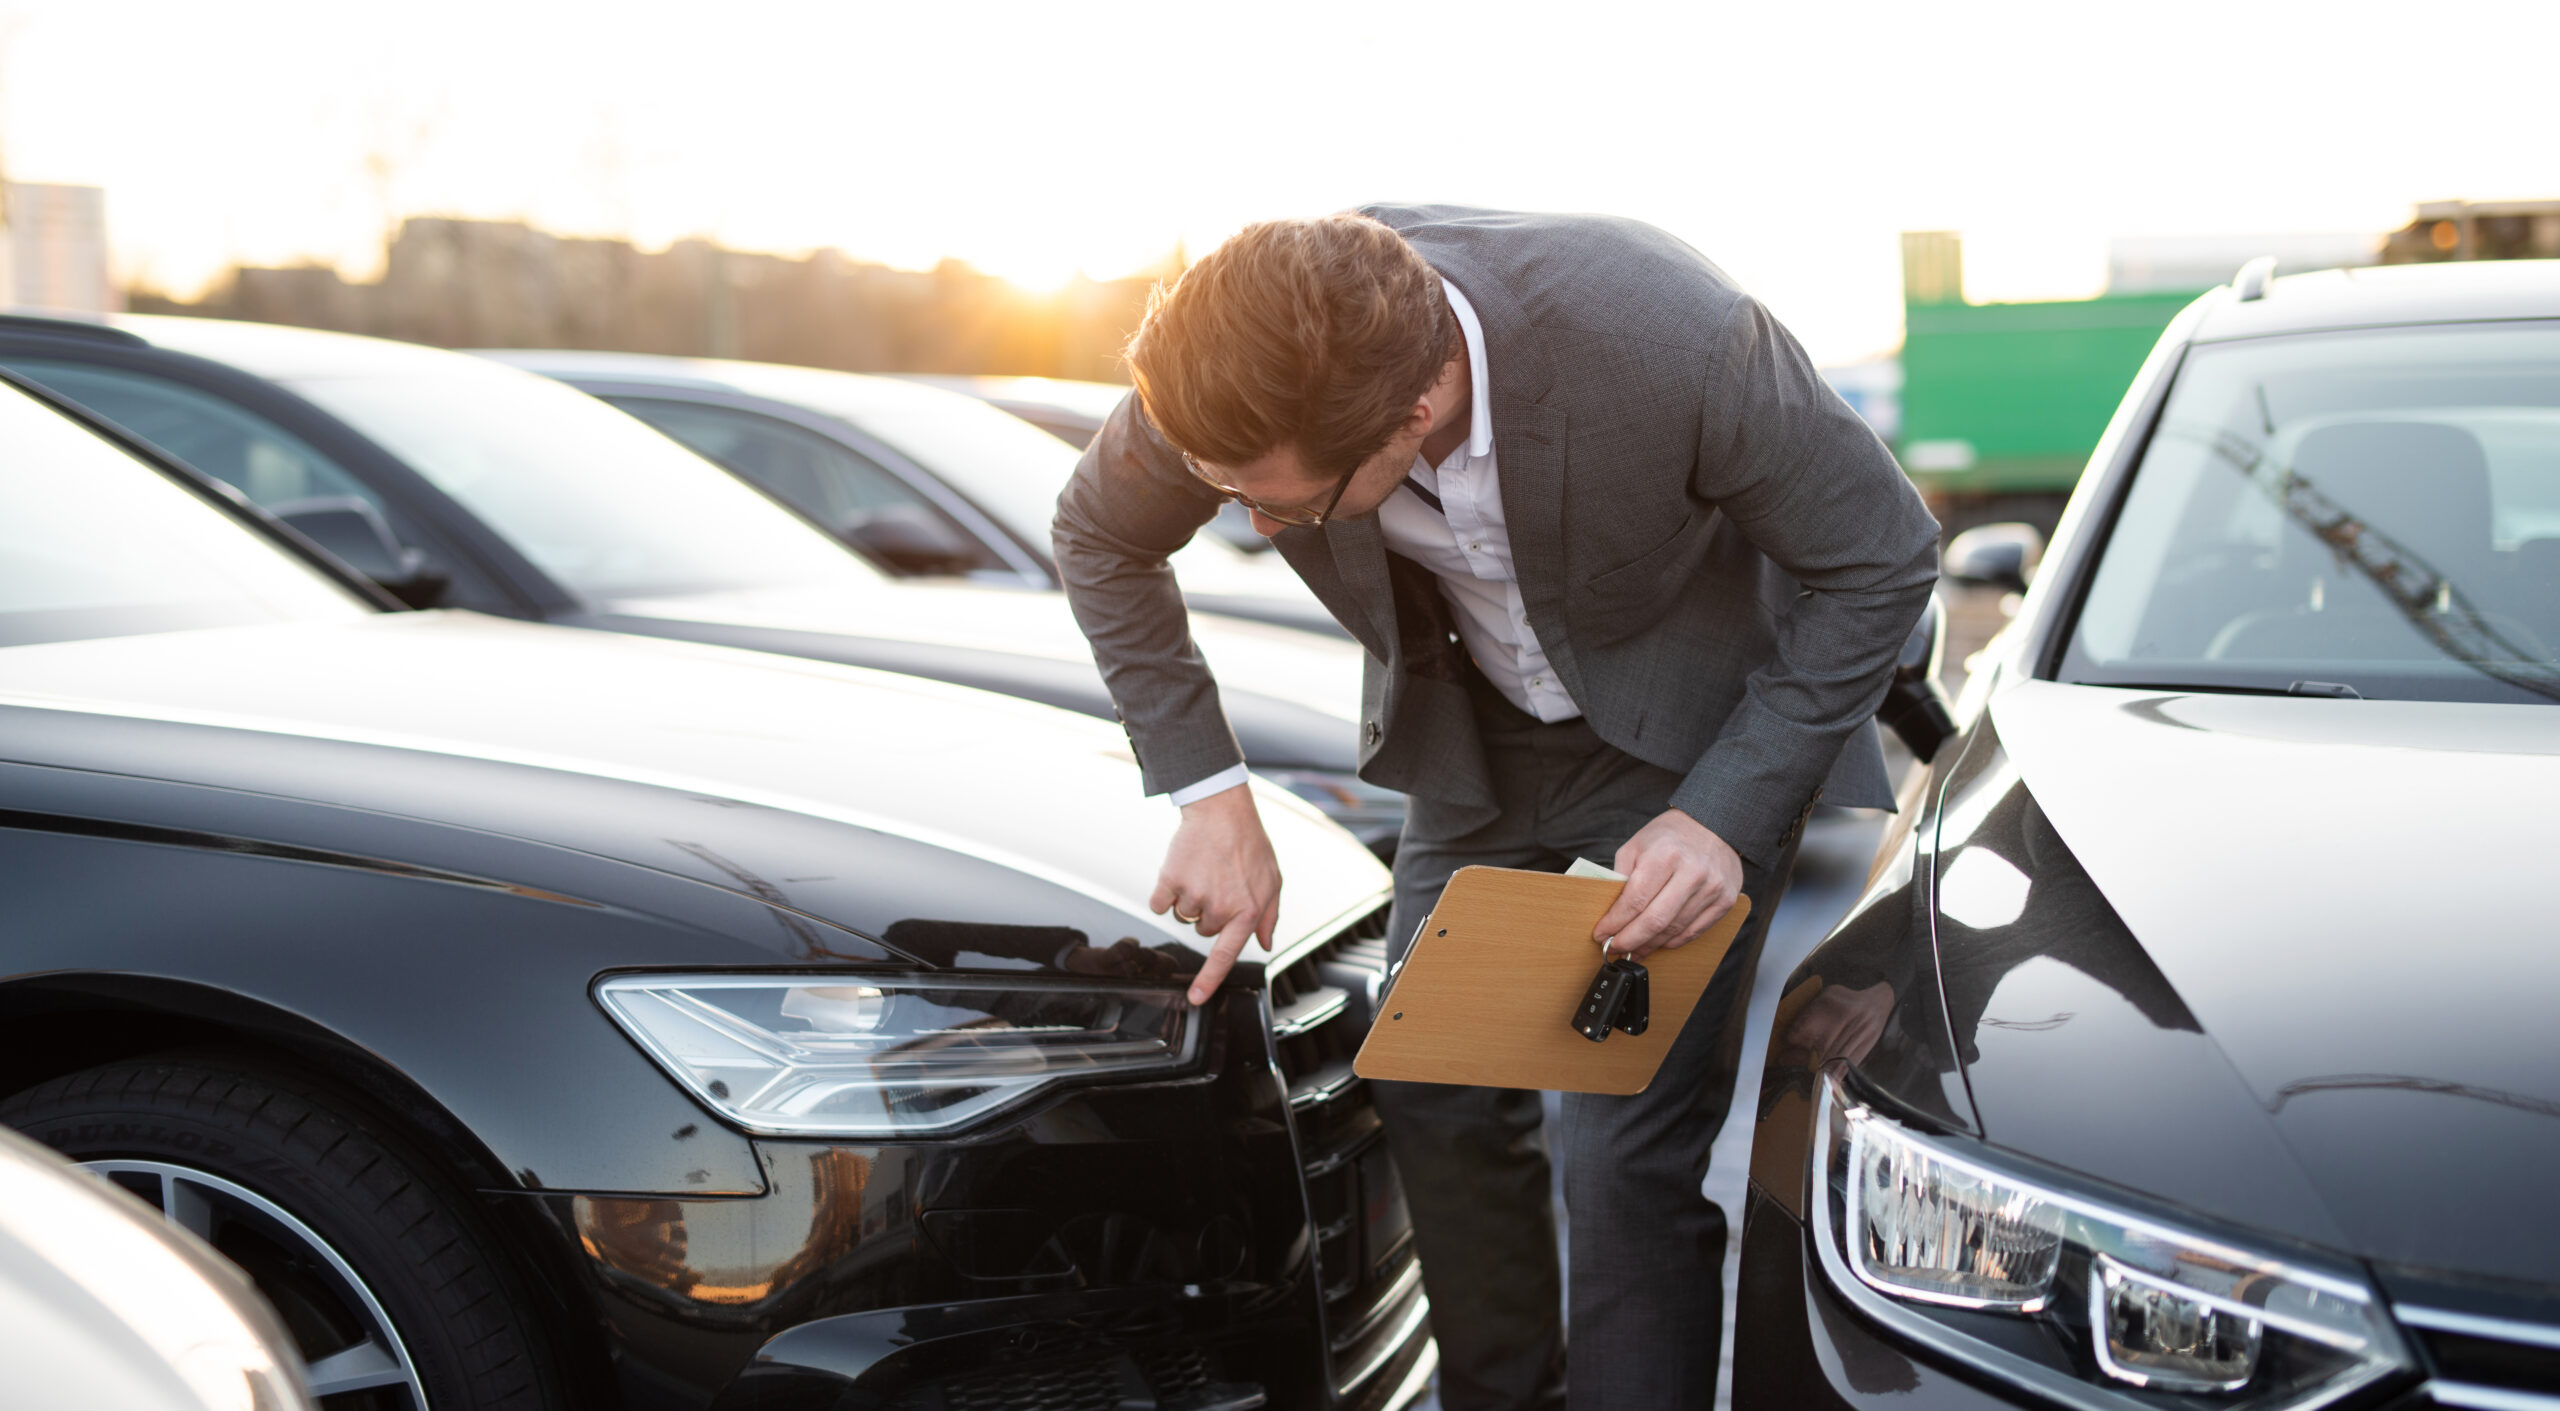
1033,271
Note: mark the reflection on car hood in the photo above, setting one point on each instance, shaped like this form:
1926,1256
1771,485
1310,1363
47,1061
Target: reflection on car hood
2350,897
1320,673
1048,793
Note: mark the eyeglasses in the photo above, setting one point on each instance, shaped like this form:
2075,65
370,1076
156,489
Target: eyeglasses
1299,517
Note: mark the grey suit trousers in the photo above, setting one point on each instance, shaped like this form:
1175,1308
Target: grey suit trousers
1648,1247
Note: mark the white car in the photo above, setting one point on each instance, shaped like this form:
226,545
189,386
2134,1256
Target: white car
105,1304
923,478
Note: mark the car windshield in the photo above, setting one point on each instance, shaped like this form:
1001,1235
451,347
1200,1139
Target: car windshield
94,543
601,502
2368,512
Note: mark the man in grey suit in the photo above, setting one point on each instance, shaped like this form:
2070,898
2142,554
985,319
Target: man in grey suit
1631,580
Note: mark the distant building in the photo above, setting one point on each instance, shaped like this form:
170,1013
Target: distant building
53,248
2191,264
2477,230
1873,389
477,283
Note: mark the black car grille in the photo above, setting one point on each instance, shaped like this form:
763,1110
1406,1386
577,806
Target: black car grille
2491,1363
1096,1381
1098,1384
1320,1011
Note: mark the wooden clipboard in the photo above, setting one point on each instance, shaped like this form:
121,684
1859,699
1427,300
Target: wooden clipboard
1487,993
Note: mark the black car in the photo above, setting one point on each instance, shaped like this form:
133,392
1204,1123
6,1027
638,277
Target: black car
2193,1043
455,482
552,1018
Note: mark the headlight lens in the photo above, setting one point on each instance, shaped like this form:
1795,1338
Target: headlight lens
2070,1297
1927,1226
891,1056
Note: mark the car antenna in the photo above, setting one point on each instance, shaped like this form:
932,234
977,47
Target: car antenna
2250,284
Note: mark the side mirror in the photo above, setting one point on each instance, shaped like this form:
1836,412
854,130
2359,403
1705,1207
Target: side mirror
910,539
1995,555
355,533
1915,706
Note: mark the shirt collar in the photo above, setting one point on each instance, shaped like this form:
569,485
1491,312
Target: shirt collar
1480,397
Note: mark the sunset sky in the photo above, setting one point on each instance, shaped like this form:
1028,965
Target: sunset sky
1790,141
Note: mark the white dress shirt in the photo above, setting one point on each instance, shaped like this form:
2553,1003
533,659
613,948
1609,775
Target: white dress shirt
1464,542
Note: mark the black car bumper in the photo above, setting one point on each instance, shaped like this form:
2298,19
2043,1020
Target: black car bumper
1181,1244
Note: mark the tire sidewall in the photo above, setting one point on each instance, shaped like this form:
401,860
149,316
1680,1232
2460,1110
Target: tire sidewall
373,1203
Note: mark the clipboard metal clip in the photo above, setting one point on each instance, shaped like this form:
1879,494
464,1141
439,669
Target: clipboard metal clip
1620,998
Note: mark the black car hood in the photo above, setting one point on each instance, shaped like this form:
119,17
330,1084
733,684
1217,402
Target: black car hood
877,804
2329,1009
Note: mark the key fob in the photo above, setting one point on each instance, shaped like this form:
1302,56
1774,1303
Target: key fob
1618,999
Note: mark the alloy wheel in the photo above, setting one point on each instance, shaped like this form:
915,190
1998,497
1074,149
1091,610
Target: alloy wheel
353,1358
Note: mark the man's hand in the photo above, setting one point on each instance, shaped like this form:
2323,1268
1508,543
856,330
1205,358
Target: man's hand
1680,878
1220,878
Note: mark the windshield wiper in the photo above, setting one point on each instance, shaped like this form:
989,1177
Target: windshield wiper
2192,688
2334,690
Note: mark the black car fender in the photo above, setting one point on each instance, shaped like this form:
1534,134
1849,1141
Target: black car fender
468,1000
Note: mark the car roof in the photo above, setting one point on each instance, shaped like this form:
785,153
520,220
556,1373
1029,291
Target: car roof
2385,295
854,396
1096,400
280,352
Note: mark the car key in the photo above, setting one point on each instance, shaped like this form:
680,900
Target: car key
1619,998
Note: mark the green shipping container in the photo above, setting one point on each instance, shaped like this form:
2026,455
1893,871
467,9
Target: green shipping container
2011,398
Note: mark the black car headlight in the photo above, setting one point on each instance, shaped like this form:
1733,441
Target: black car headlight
892,1056
2068,1295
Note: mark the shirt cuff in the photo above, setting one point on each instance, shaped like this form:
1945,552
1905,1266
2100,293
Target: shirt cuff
1218,783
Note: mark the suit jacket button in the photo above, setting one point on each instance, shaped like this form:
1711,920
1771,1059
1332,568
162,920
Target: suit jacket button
1373,732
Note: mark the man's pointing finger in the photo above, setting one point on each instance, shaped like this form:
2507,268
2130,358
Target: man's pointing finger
1221,959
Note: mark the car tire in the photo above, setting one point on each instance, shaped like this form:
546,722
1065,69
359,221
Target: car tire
394,1290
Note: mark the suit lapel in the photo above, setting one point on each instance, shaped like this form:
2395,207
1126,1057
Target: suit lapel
1358,597
1529,459
1528,433
1360,557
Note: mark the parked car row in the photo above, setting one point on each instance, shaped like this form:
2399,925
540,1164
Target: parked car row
2192,1043
420,899
543,1016
454,482
925,478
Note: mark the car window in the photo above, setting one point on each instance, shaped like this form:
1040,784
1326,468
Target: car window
604,504
2378,511
1006,466
253,455
817,475
94,543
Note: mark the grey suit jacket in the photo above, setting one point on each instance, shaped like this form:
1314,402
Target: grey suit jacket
1718,556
